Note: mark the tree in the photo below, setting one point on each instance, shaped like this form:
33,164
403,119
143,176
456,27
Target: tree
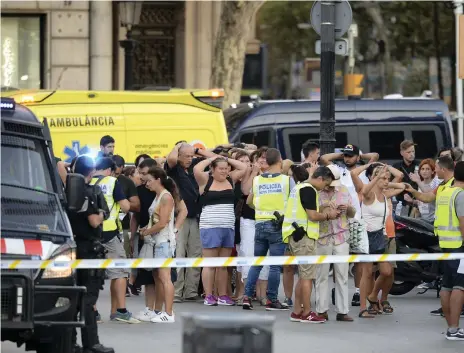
230,47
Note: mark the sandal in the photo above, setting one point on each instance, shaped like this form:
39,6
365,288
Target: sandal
387,308
365,314
374,306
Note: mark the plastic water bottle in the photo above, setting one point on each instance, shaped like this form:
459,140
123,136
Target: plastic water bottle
399,207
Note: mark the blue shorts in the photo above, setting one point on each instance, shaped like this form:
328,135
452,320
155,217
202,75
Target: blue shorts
163,251
217,238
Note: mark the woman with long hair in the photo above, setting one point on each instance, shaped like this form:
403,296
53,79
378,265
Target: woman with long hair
161,231
217,220
426,181
375,208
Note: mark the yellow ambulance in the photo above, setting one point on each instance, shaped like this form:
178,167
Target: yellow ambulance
148,122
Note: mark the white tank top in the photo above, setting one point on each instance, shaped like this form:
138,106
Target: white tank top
167,233
375,214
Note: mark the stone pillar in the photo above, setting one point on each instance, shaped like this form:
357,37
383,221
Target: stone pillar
101,45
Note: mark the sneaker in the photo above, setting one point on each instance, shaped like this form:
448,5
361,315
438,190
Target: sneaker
356,301
133,289
164,318
124,317
424,285
312,318
195,298
288,302
178,300
247,303
262,301
275,306
99,318
145,315
210,300
438,312
225,300
456,336
295,317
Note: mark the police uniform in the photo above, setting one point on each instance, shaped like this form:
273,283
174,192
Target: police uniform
296,213
87,239
449,235
270,194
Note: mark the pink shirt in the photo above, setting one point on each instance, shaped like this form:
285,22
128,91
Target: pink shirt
336,231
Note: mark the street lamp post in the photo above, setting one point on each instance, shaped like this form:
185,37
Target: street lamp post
130,12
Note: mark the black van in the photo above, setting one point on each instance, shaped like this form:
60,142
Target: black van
373,125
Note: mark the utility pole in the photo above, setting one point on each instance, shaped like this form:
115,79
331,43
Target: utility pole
327,122
458,11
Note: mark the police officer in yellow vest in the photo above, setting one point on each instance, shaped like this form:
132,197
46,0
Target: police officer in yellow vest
269,194
449,227
301,231
117,201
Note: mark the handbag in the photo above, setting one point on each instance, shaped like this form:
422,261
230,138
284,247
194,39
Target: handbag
377,238
359,240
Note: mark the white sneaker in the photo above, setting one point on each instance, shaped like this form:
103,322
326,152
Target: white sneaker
145,315
163,318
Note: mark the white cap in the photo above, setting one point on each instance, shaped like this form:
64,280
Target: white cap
336,173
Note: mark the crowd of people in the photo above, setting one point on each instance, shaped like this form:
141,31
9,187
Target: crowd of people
241,200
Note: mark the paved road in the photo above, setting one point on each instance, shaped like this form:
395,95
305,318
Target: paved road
410,329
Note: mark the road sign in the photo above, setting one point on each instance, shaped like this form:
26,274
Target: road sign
343,17
341,47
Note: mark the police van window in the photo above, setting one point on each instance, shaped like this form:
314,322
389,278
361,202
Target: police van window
426,143
23,163
258,138
297,140
386,143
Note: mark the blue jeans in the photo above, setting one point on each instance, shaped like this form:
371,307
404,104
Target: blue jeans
267,237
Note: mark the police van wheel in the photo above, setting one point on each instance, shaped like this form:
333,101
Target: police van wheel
62,343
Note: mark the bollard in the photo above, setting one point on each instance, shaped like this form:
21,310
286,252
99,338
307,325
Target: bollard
227,333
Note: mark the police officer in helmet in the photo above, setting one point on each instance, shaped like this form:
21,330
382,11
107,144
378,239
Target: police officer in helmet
87,228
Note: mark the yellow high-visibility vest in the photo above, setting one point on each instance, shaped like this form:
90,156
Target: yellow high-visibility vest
106,185
447,222
270,194
295,212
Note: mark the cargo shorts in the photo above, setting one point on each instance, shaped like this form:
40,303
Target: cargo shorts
115,250
304,247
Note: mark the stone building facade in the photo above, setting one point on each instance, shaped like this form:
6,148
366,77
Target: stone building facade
75,44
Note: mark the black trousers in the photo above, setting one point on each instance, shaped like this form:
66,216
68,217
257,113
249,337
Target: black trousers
93,281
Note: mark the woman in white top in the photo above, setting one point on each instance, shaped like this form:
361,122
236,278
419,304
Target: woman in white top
161,230
374,209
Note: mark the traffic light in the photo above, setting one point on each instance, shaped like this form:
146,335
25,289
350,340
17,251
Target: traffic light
351,85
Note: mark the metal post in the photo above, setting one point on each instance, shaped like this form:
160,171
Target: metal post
128,45
327,121
458,10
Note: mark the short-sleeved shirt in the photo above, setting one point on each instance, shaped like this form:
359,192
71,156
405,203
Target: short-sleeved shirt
308,197
346,180
146,199
459,204
187,185
130,190
406,170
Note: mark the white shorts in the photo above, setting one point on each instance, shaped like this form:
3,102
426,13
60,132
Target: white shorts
247,248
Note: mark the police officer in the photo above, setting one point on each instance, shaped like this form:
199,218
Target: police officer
268,197
87,229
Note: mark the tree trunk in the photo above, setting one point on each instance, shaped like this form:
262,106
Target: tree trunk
375,13
230,48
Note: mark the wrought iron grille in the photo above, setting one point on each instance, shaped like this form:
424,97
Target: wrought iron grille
154,56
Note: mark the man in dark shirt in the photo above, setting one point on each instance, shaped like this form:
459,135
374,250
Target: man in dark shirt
407,166
106,146
179,166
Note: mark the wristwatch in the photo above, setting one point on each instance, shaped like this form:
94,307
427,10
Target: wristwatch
176,230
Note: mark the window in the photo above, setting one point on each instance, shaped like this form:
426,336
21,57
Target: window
386,143
21,52
297,140
426,144
258,138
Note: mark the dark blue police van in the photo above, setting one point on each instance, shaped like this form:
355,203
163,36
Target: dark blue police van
373,125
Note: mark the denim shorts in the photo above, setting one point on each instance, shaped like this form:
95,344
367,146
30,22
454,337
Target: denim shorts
163,251
217,238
